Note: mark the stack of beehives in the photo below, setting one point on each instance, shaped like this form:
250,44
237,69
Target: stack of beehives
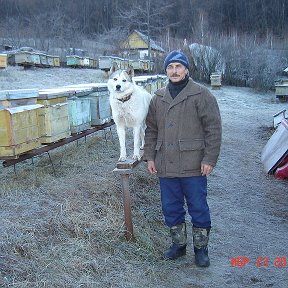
31,118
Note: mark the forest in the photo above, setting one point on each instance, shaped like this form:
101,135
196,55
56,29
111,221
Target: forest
242,31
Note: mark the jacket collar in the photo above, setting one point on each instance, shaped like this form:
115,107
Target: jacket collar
189,90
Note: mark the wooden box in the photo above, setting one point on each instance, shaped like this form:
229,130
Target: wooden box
19,130
99,104
13,98
79,114
50,60
73,60
56,61
35,59
135,64
140,80
53,116
86,62
281,92
105,62
215,79
154,83
3,61
162,81
145,65
93,63
98,95
23,58
43,59
124,64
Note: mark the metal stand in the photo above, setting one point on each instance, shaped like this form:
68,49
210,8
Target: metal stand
45,148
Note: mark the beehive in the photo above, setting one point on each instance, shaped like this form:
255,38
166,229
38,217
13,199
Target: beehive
135,64
13,98
79,109
43,59
124,64
23,58
145,65
53,116
86,62
50,60
140,80
99,103
154,83
19,130
105,62
56,61
3,61
162,80
73,60
215,79
281,90
93,63
98,95
35,59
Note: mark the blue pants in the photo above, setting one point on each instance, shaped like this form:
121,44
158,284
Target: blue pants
174,192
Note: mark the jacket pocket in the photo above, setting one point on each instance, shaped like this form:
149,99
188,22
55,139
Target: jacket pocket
158,145
191,154
159,156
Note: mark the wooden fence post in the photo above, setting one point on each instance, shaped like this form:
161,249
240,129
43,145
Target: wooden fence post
124,169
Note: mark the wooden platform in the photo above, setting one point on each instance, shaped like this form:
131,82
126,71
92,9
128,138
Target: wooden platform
127,164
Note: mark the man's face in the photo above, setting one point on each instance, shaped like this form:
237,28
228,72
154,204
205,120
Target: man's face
176,72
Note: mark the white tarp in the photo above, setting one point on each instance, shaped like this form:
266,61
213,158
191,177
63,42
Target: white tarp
276,148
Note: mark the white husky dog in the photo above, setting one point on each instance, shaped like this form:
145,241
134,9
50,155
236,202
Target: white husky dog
129,103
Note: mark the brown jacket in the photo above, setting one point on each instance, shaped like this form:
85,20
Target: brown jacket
183,132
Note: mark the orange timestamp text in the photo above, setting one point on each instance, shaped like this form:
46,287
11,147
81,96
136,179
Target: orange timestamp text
242,261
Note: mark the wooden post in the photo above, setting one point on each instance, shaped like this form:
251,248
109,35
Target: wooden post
124,169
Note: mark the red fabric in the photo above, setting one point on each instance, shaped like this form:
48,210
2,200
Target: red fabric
282,171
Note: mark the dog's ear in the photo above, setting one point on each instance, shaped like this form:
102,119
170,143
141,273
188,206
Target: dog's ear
113,68
130,71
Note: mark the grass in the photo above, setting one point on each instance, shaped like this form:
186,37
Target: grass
67,229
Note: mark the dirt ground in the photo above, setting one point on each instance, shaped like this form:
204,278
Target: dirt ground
66,230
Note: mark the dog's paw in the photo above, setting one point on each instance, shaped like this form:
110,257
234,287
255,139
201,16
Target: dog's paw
136,157
122,158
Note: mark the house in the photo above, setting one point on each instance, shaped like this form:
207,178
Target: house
137,44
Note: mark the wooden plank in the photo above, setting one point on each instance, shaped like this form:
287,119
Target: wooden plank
127,164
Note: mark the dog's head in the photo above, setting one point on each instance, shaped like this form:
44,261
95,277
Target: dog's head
120,81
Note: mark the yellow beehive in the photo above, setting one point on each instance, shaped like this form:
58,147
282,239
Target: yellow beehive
53,117
3,61
56,61
19,130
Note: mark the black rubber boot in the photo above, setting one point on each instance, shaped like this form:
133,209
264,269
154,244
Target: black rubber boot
178,247
200,241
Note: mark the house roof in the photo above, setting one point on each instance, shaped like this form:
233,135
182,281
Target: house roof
144,38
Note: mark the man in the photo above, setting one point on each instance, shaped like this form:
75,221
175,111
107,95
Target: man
182,145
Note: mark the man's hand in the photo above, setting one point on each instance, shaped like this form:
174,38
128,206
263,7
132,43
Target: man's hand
206,169
151,167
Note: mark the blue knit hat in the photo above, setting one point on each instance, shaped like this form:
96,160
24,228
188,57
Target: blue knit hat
176,56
